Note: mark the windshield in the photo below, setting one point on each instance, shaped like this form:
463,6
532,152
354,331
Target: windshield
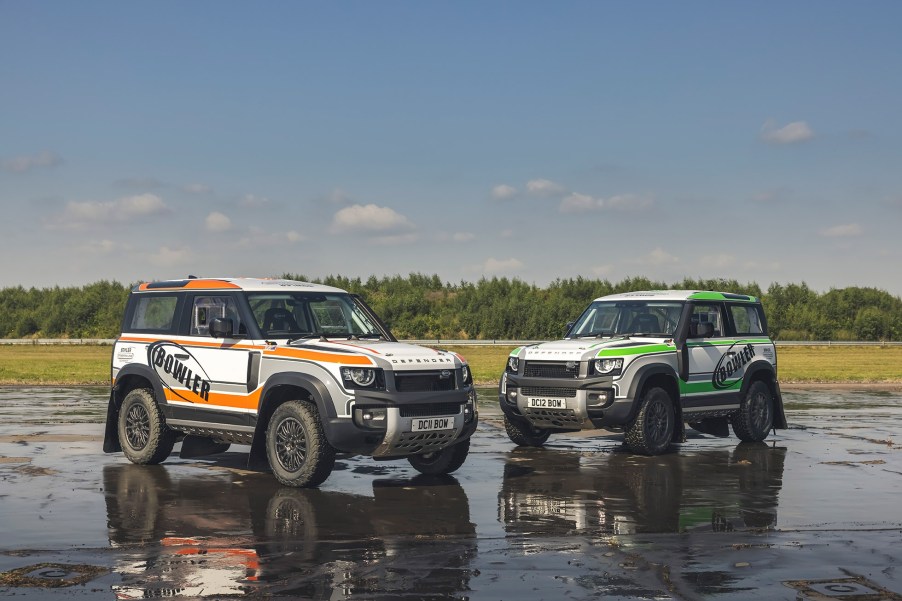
608,318
305,315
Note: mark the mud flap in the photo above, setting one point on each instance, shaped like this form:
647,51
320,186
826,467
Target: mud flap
199,446
111,432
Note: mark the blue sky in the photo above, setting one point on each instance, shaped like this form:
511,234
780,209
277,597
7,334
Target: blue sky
756,141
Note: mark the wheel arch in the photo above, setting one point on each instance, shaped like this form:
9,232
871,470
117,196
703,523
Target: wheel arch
129,378
280,389
765,372
661,376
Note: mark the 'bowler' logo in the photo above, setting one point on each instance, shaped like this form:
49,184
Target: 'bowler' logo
730,363
179,371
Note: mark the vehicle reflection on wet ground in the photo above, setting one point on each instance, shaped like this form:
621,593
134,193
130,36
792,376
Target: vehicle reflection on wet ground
810,514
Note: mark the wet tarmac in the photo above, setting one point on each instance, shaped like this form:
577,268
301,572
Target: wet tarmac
813,513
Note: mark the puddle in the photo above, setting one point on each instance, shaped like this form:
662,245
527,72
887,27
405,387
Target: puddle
802,515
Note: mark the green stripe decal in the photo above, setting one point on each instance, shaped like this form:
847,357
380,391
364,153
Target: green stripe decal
720,296
706,387
636,350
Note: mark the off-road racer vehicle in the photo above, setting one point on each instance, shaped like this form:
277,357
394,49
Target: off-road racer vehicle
645,363
300,372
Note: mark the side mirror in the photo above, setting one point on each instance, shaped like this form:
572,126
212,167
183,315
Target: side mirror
221,327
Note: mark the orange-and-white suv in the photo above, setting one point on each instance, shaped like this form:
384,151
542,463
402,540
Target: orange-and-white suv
300,372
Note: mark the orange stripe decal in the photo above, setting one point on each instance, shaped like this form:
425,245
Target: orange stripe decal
296,353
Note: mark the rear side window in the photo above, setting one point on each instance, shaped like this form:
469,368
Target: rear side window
153,314
748,319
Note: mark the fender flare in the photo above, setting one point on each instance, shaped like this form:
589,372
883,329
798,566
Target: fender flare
317,390
640,379
111,431
763,370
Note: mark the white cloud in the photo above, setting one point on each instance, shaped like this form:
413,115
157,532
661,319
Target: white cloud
657,257
257,237
496,266
168,257
791,133
396,239
100,247
370,219
842,231
602,270
717,261
503,192
123,210
545,188
198,189
463,237
22,164
251,201
217,222
581,203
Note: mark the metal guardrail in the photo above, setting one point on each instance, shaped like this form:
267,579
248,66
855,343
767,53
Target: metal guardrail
440,342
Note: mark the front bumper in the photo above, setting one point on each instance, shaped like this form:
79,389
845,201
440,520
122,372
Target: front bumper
403,411
584,408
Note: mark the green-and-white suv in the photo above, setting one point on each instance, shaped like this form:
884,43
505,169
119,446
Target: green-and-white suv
646,362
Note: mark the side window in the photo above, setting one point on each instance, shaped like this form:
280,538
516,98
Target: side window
747,319
153,314
708,314
208,308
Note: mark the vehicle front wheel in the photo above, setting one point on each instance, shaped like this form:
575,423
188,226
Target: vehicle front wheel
296,446
523,434
143,434
441,462
756,414
652,431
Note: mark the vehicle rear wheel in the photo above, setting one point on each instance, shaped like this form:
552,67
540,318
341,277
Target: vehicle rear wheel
756,414
441,462
523,434
296,446
143,434
652,431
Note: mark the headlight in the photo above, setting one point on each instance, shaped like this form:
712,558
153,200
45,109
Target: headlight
465,374
513,364
358,377
608,367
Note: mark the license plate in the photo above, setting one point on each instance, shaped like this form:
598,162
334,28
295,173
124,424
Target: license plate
424,424
546,403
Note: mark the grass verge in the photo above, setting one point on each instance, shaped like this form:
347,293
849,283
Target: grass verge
81,365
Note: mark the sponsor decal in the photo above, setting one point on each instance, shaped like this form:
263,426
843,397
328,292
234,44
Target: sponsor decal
179,371
125,353
731,363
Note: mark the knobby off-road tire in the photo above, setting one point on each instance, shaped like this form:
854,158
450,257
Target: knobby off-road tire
296,446
143,434
441,462
524,435
756,414
652,431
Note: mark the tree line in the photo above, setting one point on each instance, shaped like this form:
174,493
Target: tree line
422,306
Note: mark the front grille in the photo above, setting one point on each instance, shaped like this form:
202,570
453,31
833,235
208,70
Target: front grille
430,409
423,381
535,369
544,391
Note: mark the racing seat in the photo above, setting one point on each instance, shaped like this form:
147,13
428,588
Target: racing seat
277,319
645,323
